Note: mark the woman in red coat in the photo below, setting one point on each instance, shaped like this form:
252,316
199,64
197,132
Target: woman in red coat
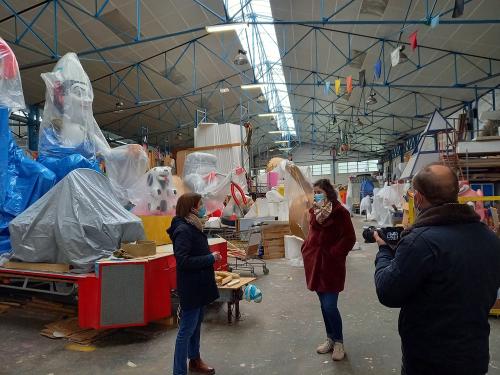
331,237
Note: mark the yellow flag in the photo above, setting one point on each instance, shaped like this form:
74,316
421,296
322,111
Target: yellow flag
337,86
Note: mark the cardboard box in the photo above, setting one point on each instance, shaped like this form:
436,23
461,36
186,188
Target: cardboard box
141,248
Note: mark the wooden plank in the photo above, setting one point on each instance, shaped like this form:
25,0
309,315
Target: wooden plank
243,281
45,267
213,147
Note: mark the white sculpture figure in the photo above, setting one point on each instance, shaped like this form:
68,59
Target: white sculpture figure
70,137
154,193
161,189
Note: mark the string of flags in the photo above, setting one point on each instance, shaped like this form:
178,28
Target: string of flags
397,56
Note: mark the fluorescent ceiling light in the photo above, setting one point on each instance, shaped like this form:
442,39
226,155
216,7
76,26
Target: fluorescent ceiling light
283,141
261,43
270,114
226,27
223,90
277,131
285,149
252,86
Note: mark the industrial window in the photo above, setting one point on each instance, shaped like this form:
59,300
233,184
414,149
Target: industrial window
321,169
358,166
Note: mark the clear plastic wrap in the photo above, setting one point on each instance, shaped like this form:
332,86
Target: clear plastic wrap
11,88
154,193
77,222
22,180
298,193
70,137
366,205
201,176
125,165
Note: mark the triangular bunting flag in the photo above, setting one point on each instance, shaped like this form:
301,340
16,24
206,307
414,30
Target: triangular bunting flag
348,83
337,86
413,40
378,68
327,87
395,57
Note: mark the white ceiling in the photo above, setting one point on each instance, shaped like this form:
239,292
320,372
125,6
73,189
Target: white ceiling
159,17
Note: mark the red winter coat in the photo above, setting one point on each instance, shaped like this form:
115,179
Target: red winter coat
326,248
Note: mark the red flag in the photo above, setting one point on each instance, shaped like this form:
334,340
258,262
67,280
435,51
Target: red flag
348,83
413,40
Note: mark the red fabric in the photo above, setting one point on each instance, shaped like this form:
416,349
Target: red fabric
8,61
325,250
413,40
348,82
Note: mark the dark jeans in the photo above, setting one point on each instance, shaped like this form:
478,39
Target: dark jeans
331,316
187,344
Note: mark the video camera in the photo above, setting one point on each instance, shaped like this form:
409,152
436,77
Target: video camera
391,235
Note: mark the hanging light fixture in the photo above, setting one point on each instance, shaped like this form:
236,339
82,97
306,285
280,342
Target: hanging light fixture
119,107
372,99
358,122
225,27
252,86
241,58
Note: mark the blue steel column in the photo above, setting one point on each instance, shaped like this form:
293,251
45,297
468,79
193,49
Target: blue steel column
33,128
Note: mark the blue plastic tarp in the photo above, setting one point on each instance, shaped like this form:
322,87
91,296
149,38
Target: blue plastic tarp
22,180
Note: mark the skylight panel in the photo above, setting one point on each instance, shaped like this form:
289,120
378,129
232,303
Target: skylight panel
262,45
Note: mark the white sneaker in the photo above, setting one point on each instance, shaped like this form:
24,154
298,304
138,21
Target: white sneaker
326,347
338,353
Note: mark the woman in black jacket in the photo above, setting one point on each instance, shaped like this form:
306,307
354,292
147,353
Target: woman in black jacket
195,281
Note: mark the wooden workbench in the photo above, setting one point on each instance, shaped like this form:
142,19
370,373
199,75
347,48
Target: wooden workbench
233,295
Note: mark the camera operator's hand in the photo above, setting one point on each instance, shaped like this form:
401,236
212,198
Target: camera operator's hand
379,240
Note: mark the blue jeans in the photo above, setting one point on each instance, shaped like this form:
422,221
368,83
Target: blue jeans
331,316
187,344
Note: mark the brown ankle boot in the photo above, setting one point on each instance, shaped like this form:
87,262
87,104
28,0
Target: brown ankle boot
198,366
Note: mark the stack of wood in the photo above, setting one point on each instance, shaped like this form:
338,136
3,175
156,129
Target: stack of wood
273,240
69,329
223,278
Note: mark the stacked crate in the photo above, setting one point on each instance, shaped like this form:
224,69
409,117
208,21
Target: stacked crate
273,240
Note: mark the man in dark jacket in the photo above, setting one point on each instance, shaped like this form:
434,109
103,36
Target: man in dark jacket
444,275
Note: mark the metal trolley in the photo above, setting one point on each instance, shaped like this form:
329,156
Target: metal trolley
244,248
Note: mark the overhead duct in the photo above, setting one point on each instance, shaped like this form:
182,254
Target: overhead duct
374,7
120,25
358,58
174,76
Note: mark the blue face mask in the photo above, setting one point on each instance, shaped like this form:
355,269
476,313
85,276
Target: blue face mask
318,197
202,212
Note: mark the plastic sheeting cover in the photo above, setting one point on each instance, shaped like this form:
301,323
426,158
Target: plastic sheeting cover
202,176
77,222
298,192
22,180
11,88
70,137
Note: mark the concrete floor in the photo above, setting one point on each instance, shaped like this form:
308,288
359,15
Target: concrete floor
277,336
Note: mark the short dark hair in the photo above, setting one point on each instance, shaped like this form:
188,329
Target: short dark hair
186,203
325,185
437,188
